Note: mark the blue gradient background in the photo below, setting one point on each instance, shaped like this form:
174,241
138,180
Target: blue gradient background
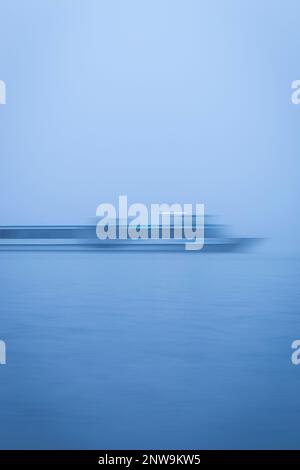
162,101
165,101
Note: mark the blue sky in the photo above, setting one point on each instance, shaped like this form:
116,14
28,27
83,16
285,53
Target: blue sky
164,101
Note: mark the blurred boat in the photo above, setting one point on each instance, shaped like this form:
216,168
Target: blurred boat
84,238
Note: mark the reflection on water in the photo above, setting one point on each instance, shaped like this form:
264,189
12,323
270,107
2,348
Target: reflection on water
162,350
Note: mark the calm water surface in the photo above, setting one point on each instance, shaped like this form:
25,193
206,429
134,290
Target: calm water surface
141,350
